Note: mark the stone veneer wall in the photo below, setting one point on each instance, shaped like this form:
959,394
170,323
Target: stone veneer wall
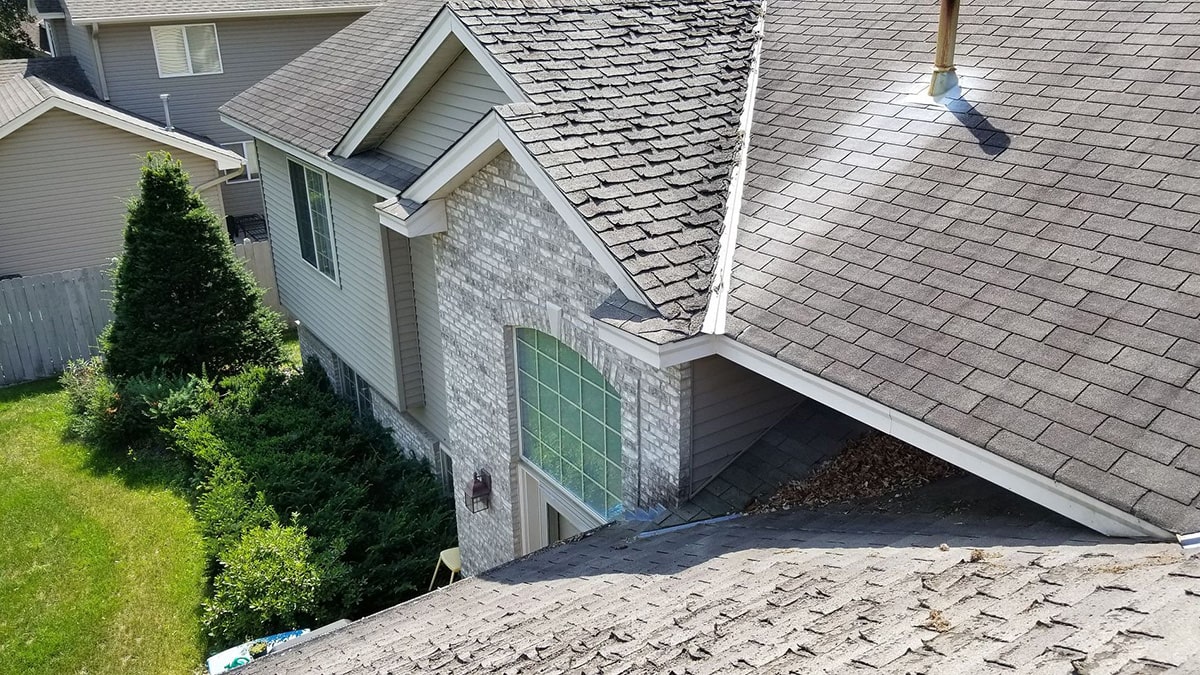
408,432
507,260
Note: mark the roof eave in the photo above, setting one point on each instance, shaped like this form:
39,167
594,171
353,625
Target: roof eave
209,16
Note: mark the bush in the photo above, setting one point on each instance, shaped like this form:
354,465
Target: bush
386,510
182,302
228,507
271,580
112,413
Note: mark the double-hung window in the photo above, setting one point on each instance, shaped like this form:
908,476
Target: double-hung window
186,50
310,192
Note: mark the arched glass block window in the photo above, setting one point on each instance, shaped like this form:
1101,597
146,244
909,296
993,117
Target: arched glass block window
570,421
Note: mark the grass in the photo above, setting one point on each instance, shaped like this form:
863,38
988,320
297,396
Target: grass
101,561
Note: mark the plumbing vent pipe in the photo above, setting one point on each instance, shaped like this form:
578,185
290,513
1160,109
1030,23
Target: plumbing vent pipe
166,100
944,78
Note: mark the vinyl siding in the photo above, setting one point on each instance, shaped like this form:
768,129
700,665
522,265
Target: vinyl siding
731,408
243,198
250,49
80,40
65,182
463,95
351,316
61,39
404,317
433,374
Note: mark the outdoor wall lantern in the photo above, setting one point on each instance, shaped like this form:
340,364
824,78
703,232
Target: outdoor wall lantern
479,495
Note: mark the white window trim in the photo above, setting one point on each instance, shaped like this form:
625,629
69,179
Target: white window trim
188,50
245,177
336,278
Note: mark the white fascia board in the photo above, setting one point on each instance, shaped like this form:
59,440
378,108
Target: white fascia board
1064,500
479,146
654,354
236,14
107,116
49,15
718,294
429,219
352,177
444,25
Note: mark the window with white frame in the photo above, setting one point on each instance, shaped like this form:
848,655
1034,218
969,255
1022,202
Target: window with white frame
570,421
187,50
248,152
310,193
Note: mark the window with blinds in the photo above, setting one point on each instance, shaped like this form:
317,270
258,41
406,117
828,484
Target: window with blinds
186,50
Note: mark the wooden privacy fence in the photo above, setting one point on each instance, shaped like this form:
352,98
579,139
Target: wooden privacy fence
49,319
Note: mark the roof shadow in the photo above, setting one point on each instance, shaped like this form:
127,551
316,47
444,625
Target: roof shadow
992,140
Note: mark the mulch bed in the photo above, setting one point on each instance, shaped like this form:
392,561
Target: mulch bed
873,465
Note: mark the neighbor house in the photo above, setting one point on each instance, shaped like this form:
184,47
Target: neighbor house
592,252
200,54
69,163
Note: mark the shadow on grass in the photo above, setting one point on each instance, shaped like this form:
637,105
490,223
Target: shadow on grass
141,468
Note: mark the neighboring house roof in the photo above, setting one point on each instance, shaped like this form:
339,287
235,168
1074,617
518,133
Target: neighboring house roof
31,87
1018,268
796,592
116,11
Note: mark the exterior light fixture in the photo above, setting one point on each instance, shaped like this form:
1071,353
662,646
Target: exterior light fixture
479,494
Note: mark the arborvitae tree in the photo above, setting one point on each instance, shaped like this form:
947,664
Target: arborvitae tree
182,302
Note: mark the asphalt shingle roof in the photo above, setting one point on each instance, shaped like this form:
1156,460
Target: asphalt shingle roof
24,83
635,116
100,10
1021,267
796,592
312,101
47,6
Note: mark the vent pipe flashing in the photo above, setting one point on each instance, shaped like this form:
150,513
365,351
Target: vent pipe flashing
944,78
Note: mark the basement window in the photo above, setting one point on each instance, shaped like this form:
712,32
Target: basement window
354,390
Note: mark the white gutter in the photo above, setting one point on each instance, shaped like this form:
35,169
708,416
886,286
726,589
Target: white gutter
718,295
221,179
1190,541
235,14
92,31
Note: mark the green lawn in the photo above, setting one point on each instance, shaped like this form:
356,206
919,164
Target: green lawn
101,562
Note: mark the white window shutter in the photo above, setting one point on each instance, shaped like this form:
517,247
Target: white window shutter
170,50
202,45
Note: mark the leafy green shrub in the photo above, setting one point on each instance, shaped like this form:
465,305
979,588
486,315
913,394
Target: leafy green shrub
94,403
182,302
228,507
385,509
270,580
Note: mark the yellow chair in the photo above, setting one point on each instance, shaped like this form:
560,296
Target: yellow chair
453,562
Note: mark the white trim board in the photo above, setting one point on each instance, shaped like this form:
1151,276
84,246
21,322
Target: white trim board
718,295
443,27
98,112
235,14
483,143
429,219
352,177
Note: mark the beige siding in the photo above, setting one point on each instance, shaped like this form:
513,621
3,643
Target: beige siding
251,49
463,95
350,315
404,317
731,408
64,181
243,198
433,373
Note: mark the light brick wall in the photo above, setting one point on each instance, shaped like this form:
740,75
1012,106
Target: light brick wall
508,260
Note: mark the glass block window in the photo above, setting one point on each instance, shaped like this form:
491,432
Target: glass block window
570,421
